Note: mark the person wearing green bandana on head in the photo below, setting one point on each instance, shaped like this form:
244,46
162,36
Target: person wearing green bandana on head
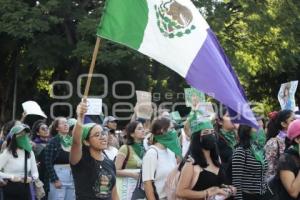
289,165
160,158
12,164
202,176
94,173
249,165
56,155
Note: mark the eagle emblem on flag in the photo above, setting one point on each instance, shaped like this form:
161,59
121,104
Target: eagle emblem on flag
174,19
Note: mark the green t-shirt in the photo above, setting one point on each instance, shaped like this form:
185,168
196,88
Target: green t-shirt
134,162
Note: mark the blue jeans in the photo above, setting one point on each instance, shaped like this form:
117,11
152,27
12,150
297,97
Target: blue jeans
67,191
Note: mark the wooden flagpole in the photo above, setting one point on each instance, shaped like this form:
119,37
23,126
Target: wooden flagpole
91,71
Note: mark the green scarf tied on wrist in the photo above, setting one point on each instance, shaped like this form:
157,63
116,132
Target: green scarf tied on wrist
65,140
138,149
257,140
23,142
229,137
170,141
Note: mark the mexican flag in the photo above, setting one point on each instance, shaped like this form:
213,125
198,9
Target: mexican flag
174,33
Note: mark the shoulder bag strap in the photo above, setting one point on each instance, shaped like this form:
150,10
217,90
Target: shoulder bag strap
140,180
153,185
127,157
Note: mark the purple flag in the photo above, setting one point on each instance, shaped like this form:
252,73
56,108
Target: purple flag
212,73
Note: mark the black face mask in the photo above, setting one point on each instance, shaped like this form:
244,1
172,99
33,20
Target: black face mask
208,142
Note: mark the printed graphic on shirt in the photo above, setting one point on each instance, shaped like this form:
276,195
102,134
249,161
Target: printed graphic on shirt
103,184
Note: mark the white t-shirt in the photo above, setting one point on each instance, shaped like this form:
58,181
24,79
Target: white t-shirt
161,167
111,152
11,166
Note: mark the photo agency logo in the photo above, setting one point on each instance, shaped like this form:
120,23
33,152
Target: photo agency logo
124,108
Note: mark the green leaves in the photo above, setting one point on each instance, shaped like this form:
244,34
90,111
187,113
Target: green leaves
260,40
22,21
54,40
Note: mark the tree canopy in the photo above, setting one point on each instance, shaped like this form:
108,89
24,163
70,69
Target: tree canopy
52,40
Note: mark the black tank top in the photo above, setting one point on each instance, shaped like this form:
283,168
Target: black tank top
208,179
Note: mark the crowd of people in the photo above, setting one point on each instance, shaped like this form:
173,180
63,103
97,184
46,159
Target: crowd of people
162,159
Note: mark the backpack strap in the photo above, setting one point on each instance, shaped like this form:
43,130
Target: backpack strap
140,179
127,157
153,185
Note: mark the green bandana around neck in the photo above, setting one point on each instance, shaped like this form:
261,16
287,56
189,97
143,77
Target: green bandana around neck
23,142
258,153
257,141
138,149
229,137
296,148
65,140
170,141
259,138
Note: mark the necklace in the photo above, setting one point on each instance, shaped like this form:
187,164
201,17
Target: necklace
98,164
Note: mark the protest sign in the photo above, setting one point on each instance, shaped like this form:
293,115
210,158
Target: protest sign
286,95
